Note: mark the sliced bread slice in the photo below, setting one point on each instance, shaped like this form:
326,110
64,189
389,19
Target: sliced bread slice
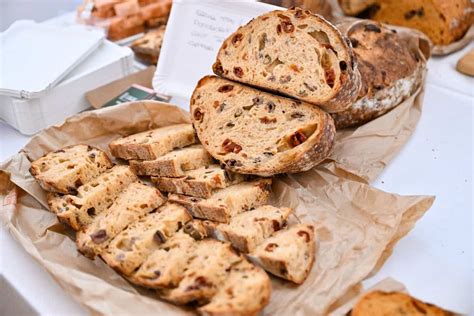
92,198
289,253
200,229
154,143
225,203
200,182
245,292
205,273
66,169
165,267
293,52
247,230
134,202
254,132
175,163
378,303
129,249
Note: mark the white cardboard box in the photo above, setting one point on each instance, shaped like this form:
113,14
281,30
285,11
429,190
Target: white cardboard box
108,63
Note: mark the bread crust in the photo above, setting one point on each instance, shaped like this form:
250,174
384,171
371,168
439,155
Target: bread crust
391,71
346,83
302,157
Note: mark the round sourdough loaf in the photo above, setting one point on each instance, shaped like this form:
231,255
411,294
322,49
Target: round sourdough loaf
295,53
391,71
255,132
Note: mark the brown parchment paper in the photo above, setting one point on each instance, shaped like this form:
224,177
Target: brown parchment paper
357,224
386,285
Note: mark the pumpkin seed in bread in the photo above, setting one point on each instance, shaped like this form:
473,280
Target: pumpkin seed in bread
129,249
174,163
228,202
92,198
247,230
254,132
134,202
293,52
199,182
154,143
289,253
66,169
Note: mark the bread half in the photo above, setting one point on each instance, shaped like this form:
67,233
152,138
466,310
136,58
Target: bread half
391,72
255,132
293,52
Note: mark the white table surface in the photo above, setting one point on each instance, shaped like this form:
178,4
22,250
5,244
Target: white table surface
434,261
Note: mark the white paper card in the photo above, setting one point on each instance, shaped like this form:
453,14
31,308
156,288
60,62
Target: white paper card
194,34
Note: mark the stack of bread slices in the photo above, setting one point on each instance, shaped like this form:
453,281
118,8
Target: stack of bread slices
201,234
188,214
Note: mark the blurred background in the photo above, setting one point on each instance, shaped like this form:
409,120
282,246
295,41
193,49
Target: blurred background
38,10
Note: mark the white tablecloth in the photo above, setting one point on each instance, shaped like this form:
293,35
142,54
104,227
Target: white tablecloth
434,261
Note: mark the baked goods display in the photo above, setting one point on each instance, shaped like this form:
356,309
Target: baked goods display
443,21
389,69
379,303
124,18
191,246
147,48
293,52
255,132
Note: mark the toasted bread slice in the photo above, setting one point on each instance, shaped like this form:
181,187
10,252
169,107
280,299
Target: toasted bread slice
134,202
205,273
225,203
129,249
92,198
246,291
247,230
175,163
200,182
293,52
152,144
66,169
289,253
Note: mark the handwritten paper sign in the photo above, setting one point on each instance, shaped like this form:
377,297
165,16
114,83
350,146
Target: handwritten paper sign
195,32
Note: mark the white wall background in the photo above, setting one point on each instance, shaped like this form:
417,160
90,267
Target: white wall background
37,10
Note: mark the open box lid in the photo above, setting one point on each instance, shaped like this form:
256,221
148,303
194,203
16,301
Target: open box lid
35,57
194,34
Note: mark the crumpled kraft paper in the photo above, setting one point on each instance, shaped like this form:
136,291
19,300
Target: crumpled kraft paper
357,224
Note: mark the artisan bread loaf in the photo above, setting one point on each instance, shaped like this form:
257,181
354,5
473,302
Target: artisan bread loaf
92,198
165,267
255,132
391,72
66,169
225,203
292,52
148,47
379,303
134,202
246,291
205,273
443,21
129,249
200,182
289,253
154,143
247,230
174,163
